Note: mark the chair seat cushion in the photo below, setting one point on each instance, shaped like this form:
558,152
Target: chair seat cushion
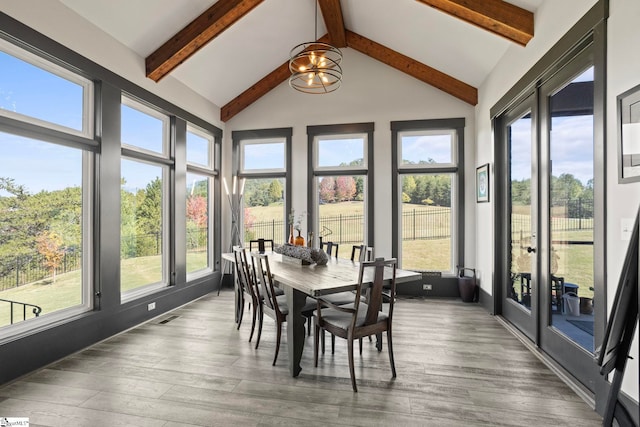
282,304
277,291
309,305
343,320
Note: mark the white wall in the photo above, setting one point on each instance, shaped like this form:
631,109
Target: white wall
371,92
56,21
623,200
623,70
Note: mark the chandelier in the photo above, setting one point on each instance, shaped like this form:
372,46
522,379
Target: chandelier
315,66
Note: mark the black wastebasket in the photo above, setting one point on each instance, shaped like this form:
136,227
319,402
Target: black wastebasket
468,285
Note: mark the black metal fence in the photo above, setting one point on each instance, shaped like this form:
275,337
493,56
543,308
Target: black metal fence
426,224
573,215
266,230
19,270
417,224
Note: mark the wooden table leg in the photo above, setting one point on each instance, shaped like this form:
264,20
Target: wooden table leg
295,328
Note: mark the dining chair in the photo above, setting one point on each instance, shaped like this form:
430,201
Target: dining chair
338,298
360,319
365,253
330,247
246,288
261,244
273,305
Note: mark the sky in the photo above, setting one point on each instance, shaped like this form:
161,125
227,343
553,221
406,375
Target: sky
28,90
571,144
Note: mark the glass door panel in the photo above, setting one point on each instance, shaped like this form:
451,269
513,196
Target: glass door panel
571,172
520,271
521,230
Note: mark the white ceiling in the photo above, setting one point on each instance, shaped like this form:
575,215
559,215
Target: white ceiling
259,42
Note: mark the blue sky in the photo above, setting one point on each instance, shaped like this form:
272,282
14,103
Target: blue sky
334,152
571,144
28,90
264,155
416,148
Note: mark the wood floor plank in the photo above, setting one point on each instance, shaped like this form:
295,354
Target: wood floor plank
456,365
60,415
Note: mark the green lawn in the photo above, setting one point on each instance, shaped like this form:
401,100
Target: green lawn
67,291
574,261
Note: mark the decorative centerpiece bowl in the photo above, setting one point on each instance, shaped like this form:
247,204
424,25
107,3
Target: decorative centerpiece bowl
302,255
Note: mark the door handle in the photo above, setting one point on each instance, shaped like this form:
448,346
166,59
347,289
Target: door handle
530,249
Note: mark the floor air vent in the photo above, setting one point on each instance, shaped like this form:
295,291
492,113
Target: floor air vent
167,320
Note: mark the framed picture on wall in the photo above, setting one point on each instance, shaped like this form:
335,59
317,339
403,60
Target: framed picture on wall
629,135
482,183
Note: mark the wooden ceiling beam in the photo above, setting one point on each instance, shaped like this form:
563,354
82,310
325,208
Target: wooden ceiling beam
259,89
332,15
418,70
196,35
496,16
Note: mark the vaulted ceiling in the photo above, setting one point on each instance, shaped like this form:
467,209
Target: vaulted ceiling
235,51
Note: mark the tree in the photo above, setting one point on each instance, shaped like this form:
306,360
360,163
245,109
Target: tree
359,188
275,191
409,185
345,188
564,188
327,190
49,245
197,210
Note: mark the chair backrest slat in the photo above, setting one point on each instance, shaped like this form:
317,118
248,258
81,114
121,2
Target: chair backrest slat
261,244
364,252
244,276
262,271
373,272
330,248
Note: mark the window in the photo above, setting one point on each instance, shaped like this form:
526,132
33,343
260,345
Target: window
45,192
263,195
428,211
200,173
340,193
31,87
143,128
143,200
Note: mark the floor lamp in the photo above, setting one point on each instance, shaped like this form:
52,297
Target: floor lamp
235,204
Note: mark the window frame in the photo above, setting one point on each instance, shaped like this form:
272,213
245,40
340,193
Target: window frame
88,104
341,131
51,133
257,141
427,132
167,165
211,174
243,137
457,126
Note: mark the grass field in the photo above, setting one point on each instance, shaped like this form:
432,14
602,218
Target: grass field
575,262
67,290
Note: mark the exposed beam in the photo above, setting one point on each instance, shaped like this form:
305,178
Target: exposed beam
195,35
332,15
256,91
420,71
496,16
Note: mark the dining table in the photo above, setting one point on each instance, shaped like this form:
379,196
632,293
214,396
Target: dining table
299,281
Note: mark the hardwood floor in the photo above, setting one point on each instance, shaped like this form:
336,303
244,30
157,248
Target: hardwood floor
457,366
